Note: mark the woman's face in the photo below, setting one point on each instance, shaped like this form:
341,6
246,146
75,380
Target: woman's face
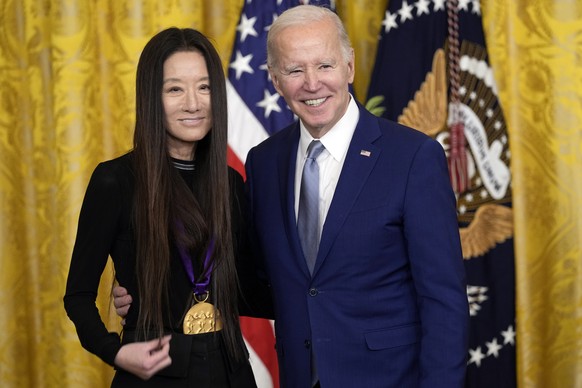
186,100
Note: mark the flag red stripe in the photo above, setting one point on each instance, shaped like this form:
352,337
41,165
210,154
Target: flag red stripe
234,162
259,334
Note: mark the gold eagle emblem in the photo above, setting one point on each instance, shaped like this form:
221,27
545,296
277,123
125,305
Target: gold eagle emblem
491,224
427,112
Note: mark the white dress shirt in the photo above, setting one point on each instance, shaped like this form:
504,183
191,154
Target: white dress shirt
336,142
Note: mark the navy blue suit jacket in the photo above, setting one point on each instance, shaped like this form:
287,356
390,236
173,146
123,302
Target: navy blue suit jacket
386,305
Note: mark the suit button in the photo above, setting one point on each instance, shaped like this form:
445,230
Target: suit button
312,291
307,344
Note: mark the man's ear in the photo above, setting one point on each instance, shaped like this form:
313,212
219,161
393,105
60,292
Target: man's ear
274,79
351,68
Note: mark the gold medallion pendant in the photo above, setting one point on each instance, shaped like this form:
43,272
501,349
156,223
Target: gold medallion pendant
202,318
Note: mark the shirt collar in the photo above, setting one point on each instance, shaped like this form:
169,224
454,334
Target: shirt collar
337,140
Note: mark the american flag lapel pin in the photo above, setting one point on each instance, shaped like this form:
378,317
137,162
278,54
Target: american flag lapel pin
365,153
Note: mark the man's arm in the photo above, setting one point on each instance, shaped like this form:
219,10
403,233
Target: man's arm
432,234
122,301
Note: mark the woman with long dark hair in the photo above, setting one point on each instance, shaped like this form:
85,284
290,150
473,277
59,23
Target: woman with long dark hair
170,213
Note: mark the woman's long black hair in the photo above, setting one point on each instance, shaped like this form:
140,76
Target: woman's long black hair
167,211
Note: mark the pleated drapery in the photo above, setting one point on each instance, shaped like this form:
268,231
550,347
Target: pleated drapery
536,53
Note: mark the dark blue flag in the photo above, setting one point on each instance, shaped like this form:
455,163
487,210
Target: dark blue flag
412,83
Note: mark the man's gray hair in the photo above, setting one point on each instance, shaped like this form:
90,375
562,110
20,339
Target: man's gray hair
299,16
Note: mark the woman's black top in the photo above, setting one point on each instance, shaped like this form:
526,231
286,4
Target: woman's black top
105,230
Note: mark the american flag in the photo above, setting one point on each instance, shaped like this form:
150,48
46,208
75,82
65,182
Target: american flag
410,73
256,111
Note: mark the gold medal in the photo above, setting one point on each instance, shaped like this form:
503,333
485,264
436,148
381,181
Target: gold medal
202,318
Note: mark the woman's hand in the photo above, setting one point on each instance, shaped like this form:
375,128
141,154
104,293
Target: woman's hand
144,359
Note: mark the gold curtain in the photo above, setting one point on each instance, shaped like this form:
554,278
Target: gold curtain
536,53
362,19
67,71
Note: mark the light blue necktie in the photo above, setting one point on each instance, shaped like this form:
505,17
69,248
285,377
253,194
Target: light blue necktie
308,214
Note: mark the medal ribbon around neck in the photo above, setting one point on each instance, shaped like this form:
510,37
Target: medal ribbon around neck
202,317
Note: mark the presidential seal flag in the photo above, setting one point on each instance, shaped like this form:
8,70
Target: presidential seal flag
432,73
256,111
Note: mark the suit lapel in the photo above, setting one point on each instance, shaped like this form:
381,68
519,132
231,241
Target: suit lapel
286,161
360,160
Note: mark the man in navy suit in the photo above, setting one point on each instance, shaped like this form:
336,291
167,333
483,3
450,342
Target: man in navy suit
385,304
